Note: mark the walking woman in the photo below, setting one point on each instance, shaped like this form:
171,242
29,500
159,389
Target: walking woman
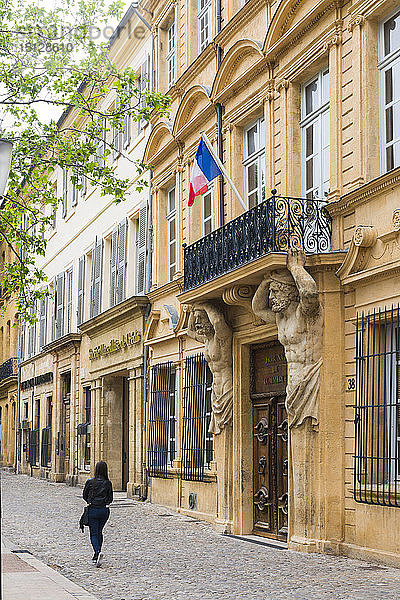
98,493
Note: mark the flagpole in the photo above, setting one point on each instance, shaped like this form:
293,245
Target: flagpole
221,166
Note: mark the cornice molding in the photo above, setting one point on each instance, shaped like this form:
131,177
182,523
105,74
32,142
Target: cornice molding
124,312
166,290
362,194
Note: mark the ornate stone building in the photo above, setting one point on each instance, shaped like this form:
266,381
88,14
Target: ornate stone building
299,98
81,390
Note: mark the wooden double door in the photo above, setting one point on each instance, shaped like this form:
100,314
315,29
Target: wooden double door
270,440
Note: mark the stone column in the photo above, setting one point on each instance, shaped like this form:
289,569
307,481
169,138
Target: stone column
223,455
136,433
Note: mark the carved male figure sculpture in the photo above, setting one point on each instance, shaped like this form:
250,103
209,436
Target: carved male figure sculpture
207,325
290,298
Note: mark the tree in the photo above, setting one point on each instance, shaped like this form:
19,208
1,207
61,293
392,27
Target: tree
49,62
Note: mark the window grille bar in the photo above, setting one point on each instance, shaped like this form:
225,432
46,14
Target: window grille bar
161,444
377,408
197,443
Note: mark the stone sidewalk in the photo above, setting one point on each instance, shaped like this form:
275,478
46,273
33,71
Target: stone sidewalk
24,577
153,553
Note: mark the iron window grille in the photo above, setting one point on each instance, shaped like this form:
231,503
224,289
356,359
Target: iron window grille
377,408
45,459
197,442
162,420
34,447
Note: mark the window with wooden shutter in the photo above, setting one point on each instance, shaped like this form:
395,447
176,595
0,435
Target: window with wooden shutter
31,337
42,323
74,200
113,266
144,84
60,306
126,134
117,133
65,192
21,340
121,261
69,299
141,250
53,288
81,289
100,153
97,271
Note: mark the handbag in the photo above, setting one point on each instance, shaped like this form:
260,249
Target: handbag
84,520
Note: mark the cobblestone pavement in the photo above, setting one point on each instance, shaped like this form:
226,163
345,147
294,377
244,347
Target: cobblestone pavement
153,553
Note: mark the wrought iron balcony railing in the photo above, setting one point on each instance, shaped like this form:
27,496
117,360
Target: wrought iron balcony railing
8,368
275,225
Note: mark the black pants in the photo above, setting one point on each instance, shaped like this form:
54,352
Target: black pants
98,517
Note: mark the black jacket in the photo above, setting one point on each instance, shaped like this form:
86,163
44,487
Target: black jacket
98,492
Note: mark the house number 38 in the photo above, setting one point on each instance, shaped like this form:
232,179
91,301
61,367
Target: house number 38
351,384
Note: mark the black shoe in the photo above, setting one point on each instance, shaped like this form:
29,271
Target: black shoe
95,555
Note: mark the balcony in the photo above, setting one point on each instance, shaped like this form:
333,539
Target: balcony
8,368
275,225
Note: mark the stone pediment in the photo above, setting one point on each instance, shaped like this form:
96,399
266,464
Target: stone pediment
371,255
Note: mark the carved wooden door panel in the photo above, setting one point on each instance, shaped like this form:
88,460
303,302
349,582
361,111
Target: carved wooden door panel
270,435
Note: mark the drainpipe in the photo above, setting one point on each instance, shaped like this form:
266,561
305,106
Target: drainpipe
219,109
18,442
149,262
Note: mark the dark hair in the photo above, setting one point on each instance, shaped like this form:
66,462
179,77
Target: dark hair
101,470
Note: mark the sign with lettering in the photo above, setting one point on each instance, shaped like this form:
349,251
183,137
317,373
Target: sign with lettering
270,369
130,339
38,380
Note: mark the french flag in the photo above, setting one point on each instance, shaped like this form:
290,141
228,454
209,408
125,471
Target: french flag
204,170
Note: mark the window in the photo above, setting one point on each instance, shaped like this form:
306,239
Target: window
207,212
101,147
204,23
96,278
69,275
81,289
117,133
315,137
254,163
171,233
377,408
141,229
42,323
162,420
118,263
171,54
389,67
64,192
197,442
74,184
143,85
59,305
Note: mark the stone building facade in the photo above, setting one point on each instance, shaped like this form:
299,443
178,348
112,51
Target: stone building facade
8,372
82,362
299,98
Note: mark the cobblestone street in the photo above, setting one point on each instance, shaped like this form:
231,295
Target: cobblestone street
154,554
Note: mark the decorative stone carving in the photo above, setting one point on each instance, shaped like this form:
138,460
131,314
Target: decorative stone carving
208,326
365,236
289,298
356,21
396,219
